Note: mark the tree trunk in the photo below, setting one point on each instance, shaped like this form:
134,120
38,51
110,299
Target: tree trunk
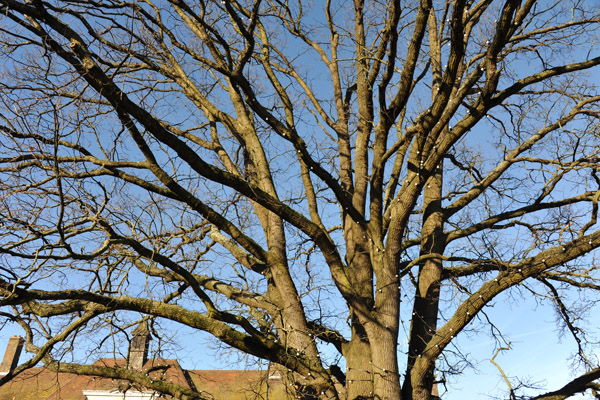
385,364
383,333
418,385
359,375
359,367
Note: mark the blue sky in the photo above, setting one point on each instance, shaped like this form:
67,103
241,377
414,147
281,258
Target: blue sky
537,354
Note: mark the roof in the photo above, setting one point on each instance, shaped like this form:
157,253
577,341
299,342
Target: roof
231,384
41,383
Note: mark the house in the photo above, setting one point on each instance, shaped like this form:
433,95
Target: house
42,383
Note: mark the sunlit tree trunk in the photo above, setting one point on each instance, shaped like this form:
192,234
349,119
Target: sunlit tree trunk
357,351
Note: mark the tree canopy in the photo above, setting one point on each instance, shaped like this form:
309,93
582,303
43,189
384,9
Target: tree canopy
307,182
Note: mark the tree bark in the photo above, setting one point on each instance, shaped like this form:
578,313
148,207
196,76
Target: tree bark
418,385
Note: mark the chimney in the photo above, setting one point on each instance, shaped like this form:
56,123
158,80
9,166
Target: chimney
138,348
12,354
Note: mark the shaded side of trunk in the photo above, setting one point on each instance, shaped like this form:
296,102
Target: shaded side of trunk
418,385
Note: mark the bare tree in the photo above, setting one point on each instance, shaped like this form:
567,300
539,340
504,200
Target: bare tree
283,176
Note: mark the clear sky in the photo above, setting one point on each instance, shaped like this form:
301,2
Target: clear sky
539,354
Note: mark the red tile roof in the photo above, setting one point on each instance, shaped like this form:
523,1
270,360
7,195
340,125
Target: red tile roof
40,383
